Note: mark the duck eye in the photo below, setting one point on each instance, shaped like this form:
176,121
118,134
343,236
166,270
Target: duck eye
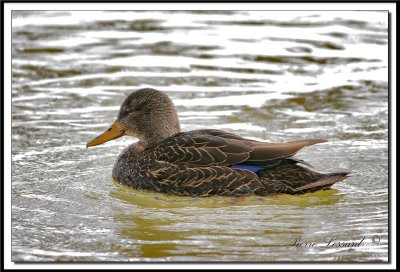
124,111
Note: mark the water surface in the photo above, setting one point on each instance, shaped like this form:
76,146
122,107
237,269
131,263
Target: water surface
267,75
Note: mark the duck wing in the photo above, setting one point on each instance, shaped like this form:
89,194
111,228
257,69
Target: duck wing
220,148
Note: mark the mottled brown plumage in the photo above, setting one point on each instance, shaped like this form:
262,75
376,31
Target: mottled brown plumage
202,162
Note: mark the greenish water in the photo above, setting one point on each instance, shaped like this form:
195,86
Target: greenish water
272,76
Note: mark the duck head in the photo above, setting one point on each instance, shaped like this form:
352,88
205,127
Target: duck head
146,114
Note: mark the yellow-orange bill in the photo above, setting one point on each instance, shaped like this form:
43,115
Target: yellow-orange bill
112,133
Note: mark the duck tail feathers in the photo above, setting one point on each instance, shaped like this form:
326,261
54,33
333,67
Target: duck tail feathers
323,183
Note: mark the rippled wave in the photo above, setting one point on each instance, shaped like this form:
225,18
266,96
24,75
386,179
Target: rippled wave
267,75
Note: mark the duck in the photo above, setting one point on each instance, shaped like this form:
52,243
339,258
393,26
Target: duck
203,162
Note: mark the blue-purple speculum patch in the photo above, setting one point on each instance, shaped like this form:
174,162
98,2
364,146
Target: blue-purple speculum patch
251,168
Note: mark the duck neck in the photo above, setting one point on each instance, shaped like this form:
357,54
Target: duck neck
157,135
